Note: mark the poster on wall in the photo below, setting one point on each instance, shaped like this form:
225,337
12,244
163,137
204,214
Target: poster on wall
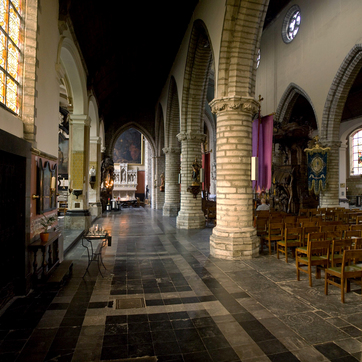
129,148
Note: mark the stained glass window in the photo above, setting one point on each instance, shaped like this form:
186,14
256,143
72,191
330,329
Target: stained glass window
291,24
10,53
356,154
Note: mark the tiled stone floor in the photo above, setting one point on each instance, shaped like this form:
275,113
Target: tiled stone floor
196,308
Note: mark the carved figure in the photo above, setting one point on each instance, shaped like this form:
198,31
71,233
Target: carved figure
162,187
195,173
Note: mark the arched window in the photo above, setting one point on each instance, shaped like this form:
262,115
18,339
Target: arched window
10,53
356,152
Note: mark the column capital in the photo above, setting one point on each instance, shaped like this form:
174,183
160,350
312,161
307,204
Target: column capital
330,143
81,119
95,139
171,150
194,136
244,104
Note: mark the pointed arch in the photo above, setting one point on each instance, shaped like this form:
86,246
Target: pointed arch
288,100
338,93
240,41
172,126
70,60
139,128
159,131
93,116
198,65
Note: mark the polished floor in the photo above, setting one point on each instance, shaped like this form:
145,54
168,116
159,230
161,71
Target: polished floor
162,296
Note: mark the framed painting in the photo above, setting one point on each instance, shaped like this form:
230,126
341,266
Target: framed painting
129,148
63,155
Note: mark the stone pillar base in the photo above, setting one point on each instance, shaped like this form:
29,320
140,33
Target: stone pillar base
95,209
192,220
234,245
80,219
171,209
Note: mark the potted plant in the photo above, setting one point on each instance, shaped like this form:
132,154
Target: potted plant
46,222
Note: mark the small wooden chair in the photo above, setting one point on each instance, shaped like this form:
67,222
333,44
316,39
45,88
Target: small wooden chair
356,227
337,249
311,236
346,271
292,239
327,228
333,235
353,234
317,255
343,228
303,212
274,234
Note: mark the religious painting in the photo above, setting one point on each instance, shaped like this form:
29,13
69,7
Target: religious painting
63,151
129,148
47,198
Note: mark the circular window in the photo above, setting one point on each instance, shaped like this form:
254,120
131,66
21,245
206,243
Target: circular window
291,24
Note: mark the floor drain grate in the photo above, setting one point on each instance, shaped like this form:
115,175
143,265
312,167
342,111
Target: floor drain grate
130,303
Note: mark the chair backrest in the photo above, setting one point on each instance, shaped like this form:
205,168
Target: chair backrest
329,215
355,227
352,256
318,247
359,220
303,212
301,219
357,243
339,246
353,234
307,230
276,218
305,224
261,224
275,228
293,234
290,219
316,236
333,235
327,228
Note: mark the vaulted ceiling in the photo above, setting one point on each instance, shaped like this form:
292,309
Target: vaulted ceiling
129,48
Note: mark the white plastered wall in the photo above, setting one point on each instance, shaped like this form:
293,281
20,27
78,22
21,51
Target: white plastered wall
328,31
47,101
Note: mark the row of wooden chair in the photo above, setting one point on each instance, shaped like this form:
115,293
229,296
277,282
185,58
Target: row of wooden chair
338,258
276,233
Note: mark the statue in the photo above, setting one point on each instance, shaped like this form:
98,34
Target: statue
195,173
162,187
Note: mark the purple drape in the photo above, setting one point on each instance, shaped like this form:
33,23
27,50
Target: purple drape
265,151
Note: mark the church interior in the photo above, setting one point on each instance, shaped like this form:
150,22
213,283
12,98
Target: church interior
168,170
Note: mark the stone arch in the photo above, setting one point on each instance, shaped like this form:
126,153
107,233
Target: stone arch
243,25
160,131
338,94
139,128
93,116
198,65
288,100
70,60
172,125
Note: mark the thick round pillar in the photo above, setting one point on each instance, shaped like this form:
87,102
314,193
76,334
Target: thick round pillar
234,236
330,197
158,198
190,215
172,186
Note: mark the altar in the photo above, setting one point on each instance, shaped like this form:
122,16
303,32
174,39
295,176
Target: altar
125,183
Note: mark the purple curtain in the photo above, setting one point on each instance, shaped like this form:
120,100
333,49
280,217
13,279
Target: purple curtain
265,151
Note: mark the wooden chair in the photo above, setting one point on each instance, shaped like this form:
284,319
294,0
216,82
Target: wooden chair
333,235
337,249
343,228
357,243
307,230
317,255
326,228
301,219
355,227
304,212
311,236
276,219
345,272
292,239
290,219
274,234
310,223
353,234
329,215
359,220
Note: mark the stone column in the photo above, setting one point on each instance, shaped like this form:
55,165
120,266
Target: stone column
234,236
190,215
330,197
158,197
95,205
78,215
172,186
